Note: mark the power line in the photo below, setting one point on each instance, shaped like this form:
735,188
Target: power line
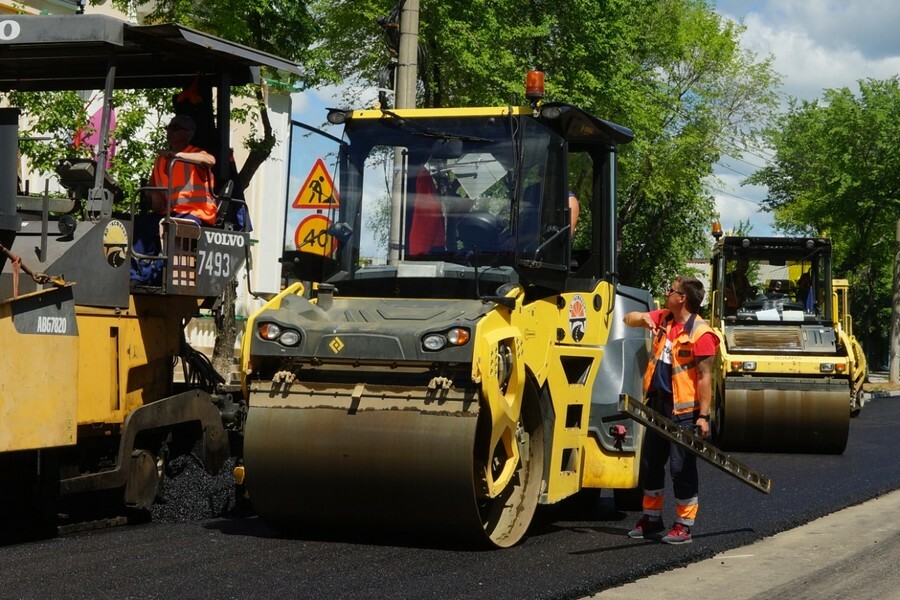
721,191
746,162
724,166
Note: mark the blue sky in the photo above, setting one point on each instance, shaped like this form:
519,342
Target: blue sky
815,45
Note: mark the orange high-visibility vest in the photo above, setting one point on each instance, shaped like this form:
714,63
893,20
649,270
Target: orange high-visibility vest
684,365
190,191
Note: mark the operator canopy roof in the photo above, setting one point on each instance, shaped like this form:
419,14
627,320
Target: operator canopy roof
582,128
41,53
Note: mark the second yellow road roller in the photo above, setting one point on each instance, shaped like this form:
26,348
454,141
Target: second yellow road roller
788,378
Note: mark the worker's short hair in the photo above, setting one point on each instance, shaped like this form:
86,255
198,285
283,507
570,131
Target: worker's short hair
693,292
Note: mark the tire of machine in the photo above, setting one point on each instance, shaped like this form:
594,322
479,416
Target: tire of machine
718,420
506,519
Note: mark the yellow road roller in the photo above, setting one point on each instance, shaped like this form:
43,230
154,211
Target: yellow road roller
450,380
785,380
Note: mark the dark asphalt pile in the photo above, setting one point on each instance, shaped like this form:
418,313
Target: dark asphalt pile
192,494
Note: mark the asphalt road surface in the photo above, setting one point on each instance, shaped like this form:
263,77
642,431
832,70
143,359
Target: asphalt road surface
570,552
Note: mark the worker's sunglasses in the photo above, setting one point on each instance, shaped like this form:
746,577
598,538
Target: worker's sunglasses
671,290
172,127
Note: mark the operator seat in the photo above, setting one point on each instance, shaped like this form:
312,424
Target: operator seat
479,230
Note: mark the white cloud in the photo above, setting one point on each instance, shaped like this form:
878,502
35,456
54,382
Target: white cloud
808,66
866,27
738,203
820,44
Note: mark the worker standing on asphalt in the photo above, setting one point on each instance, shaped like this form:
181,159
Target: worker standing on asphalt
677,384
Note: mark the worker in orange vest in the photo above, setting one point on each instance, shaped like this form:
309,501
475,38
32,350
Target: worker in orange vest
678,384
188,196
189,193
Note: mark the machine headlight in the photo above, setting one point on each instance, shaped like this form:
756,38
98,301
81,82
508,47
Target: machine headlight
289,338
434,341
275,333
269,331
826,367
458,336
747,365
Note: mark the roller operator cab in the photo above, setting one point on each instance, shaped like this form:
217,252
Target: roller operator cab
449,380
90,411
788,377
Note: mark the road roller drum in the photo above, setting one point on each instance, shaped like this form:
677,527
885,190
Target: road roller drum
769,414
383,459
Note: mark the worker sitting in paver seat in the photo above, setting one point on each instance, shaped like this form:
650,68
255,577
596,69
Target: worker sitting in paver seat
180,184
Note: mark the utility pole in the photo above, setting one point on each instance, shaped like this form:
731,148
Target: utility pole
405,97
895,316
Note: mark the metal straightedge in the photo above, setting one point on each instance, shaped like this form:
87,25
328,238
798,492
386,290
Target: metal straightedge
648,417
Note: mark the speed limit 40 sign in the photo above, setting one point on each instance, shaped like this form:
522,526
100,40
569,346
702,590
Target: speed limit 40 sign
310,236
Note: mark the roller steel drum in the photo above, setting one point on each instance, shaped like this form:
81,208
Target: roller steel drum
340,462
784,415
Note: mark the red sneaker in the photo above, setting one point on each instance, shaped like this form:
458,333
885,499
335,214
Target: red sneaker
647,528
679,535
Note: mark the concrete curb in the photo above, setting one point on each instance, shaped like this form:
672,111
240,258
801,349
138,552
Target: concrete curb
827,558
890,394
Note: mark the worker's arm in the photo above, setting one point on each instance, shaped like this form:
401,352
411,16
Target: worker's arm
704,391
203,158
640,319
574,210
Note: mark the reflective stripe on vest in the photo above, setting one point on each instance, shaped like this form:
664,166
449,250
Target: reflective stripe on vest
684,368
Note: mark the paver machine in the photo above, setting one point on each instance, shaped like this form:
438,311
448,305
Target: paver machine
89,412
474,372
786,378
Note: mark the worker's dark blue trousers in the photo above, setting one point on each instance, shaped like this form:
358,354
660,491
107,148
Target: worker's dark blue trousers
655,451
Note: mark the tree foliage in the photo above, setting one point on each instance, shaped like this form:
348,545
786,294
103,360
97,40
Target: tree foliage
672,70
57,118
836,173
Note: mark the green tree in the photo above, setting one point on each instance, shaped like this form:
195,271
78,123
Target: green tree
56,118
672,70
836,173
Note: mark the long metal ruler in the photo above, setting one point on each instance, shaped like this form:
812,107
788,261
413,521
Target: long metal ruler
648,417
